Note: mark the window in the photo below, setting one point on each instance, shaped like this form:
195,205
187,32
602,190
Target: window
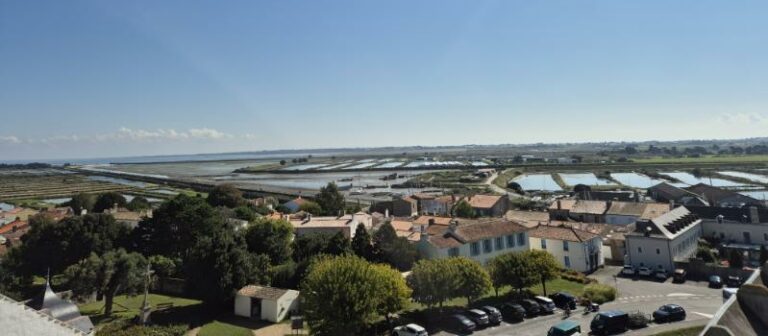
474,248
565,245
544,244
722,235
453,252
510,241
499,243
658,251
639,249
521,239
567,262
747,238
487,248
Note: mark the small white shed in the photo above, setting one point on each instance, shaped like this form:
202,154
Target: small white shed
266,303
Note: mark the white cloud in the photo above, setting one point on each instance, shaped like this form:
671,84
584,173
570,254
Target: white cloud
10,139
743,118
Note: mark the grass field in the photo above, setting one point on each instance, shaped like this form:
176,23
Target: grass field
217,327
690,331
707,158
126,307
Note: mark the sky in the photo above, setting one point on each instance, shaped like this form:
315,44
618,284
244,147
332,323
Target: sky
82,79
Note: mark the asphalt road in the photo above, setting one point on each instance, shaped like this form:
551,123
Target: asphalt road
645,296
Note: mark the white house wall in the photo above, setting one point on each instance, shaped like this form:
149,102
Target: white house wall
655,252
431,252
243,306
577,252
734,231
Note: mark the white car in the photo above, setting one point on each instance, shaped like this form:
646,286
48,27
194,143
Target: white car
628,270
644,271
410,330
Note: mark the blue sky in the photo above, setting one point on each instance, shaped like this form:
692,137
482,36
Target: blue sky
115,78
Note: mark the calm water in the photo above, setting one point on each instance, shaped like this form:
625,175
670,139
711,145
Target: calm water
542,182
391,165
583,178
362,165
689,179
635,180
306,166
136,184
753,177
315,181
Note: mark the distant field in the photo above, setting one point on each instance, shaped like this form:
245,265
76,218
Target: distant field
32,187
708,158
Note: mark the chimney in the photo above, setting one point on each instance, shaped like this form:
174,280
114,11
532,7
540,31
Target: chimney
354,219
452,226
720,219
431,221
671,205
753,215
386,213
559,205
14,229
608,204
114,206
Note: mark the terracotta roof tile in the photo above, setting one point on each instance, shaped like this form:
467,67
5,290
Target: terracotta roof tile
262,292
527,218
566,233
483,201
590,207
468,231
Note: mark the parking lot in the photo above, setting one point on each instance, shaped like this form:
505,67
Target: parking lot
635,294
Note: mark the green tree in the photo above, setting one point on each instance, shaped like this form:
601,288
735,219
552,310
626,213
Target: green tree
220,264
245,213
361,243
512,269
271,237
433,281
544,266
57,245
82,201
108,201
464,210
176,226
162,266
139,203
311,207
400,254
226,195
705,254
343,294
339,245
330,199
473,280
107,274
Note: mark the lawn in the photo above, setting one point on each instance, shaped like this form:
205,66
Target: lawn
559,285
126,307
707,158
690,331
218,327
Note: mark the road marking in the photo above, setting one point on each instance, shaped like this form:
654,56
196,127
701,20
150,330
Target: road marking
679,294
709,316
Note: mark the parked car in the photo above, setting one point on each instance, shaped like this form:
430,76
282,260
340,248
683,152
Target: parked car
494,315
563,299
661,275
733,281
644,271
715,281
628,270
512,312
410,330
608,322
460,324
532,309
679,275
479,317
669,313
565,328
547,305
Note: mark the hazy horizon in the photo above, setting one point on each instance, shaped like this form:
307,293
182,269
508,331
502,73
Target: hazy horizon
89,79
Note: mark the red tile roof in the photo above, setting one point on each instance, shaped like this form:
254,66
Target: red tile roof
566,233
483,201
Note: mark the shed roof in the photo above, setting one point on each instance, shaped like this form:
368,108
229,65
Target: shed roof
262,292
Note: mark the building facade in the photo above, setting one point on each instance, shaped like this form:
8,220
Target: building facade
479,240
574,249
659,242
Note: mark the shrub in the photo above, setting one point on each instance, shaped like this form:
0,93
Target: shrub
599,293
637,320
705,254
128,329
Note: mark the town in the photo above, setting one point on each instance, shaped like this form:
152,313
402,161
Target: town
116,254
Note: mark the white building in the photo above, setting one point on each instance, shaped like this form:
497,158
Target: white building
266,303
733,225
480,239
659,242
574,249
